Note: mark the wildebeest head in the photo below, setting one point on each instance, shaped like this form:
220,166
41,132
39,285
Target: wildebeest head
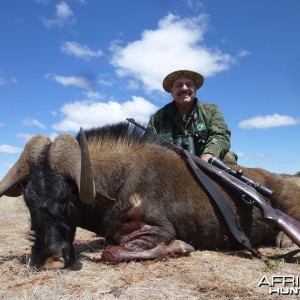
54,177
51,200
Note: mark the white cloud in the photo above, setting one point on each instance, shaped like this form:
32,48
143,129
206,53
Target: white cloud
269,121
93,95
79,81
133,85
194,5
63,15
4,81
24,136
79,50
92,114
10,149
105,82
33,122
241,154
53,135
176,44
243,53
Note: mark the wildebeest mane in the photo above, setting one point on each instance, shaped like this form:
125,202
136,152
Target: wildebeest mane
122,131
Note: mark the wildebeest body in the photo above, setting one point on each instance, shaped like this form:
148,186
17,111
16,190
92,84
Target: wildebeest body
157,201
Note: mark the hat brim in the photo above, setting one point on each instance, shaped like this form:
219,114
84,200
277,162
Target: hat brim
169,79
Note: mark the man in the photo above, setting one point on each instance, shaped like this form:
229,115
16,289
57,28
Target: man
186,115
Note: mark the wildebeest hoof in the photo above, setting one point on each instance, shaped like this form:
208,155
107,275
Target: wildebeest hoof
51,263
178,247
116,254
56,261
283,241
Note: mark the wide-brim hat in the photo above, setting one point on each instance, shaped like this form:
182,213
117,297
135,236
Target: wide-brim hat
169,79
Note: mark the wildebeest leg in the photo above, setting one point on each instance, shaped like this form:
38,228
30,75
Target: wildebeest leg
121,253
283,241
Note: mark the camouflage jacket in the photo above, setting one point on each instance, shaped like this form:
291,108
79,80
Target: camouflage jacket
204,120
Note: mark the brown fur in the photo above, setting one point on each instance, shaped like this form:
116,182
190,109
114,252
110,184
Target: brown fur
169,191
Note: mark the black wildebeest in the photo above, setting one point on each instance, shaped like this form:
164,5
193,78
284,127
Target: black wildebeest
129,189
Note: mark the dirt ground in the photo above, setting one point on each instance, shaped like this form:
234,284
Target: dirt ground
202,275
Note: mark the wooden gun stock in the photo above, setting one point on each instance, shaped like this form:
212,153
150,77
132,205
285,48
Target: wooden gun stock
286,223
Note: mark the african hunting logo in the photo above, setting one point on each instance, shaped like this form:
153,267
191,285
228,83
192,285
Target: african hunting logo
281,284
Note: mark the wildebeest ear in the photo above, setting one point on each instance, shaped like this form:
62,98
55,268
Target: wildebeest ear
14,191
102,196
35,150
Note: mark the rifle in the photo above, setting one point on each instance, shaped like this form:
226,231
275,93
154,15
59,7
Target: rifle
265,191
289,225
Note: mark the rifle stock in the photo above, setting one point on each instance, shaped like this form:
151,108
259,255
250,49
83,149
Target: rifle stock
288,225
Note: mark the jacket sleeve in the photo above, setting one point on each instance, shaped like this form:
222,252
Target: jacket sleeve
218,141
150,125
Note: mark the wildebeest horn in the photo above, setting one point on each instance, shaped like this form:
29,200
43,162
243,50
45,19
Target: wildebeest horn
34,149
65,159
69,159
87,184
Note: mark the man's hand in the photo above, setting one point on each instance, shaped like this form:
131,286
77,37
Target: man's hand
206,156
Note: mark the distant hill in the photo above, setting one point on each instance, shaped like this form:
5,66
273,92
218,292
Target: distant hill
295,178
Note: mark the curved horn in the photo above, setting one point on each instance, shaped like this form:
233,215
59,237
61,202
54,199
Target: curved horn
34,149
65,159
87,185
69,159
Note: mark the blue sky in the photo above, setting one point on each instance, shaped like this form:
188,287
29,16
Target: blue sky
72,63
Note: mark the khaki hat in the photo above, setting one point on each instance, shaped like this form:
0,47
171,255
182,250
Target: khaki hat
169,79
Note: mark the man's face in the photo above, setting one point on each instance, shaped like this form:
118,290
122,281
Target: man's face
183,91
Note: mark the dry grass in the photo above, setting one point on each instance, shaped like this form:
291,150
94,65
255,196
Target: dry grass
202,275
